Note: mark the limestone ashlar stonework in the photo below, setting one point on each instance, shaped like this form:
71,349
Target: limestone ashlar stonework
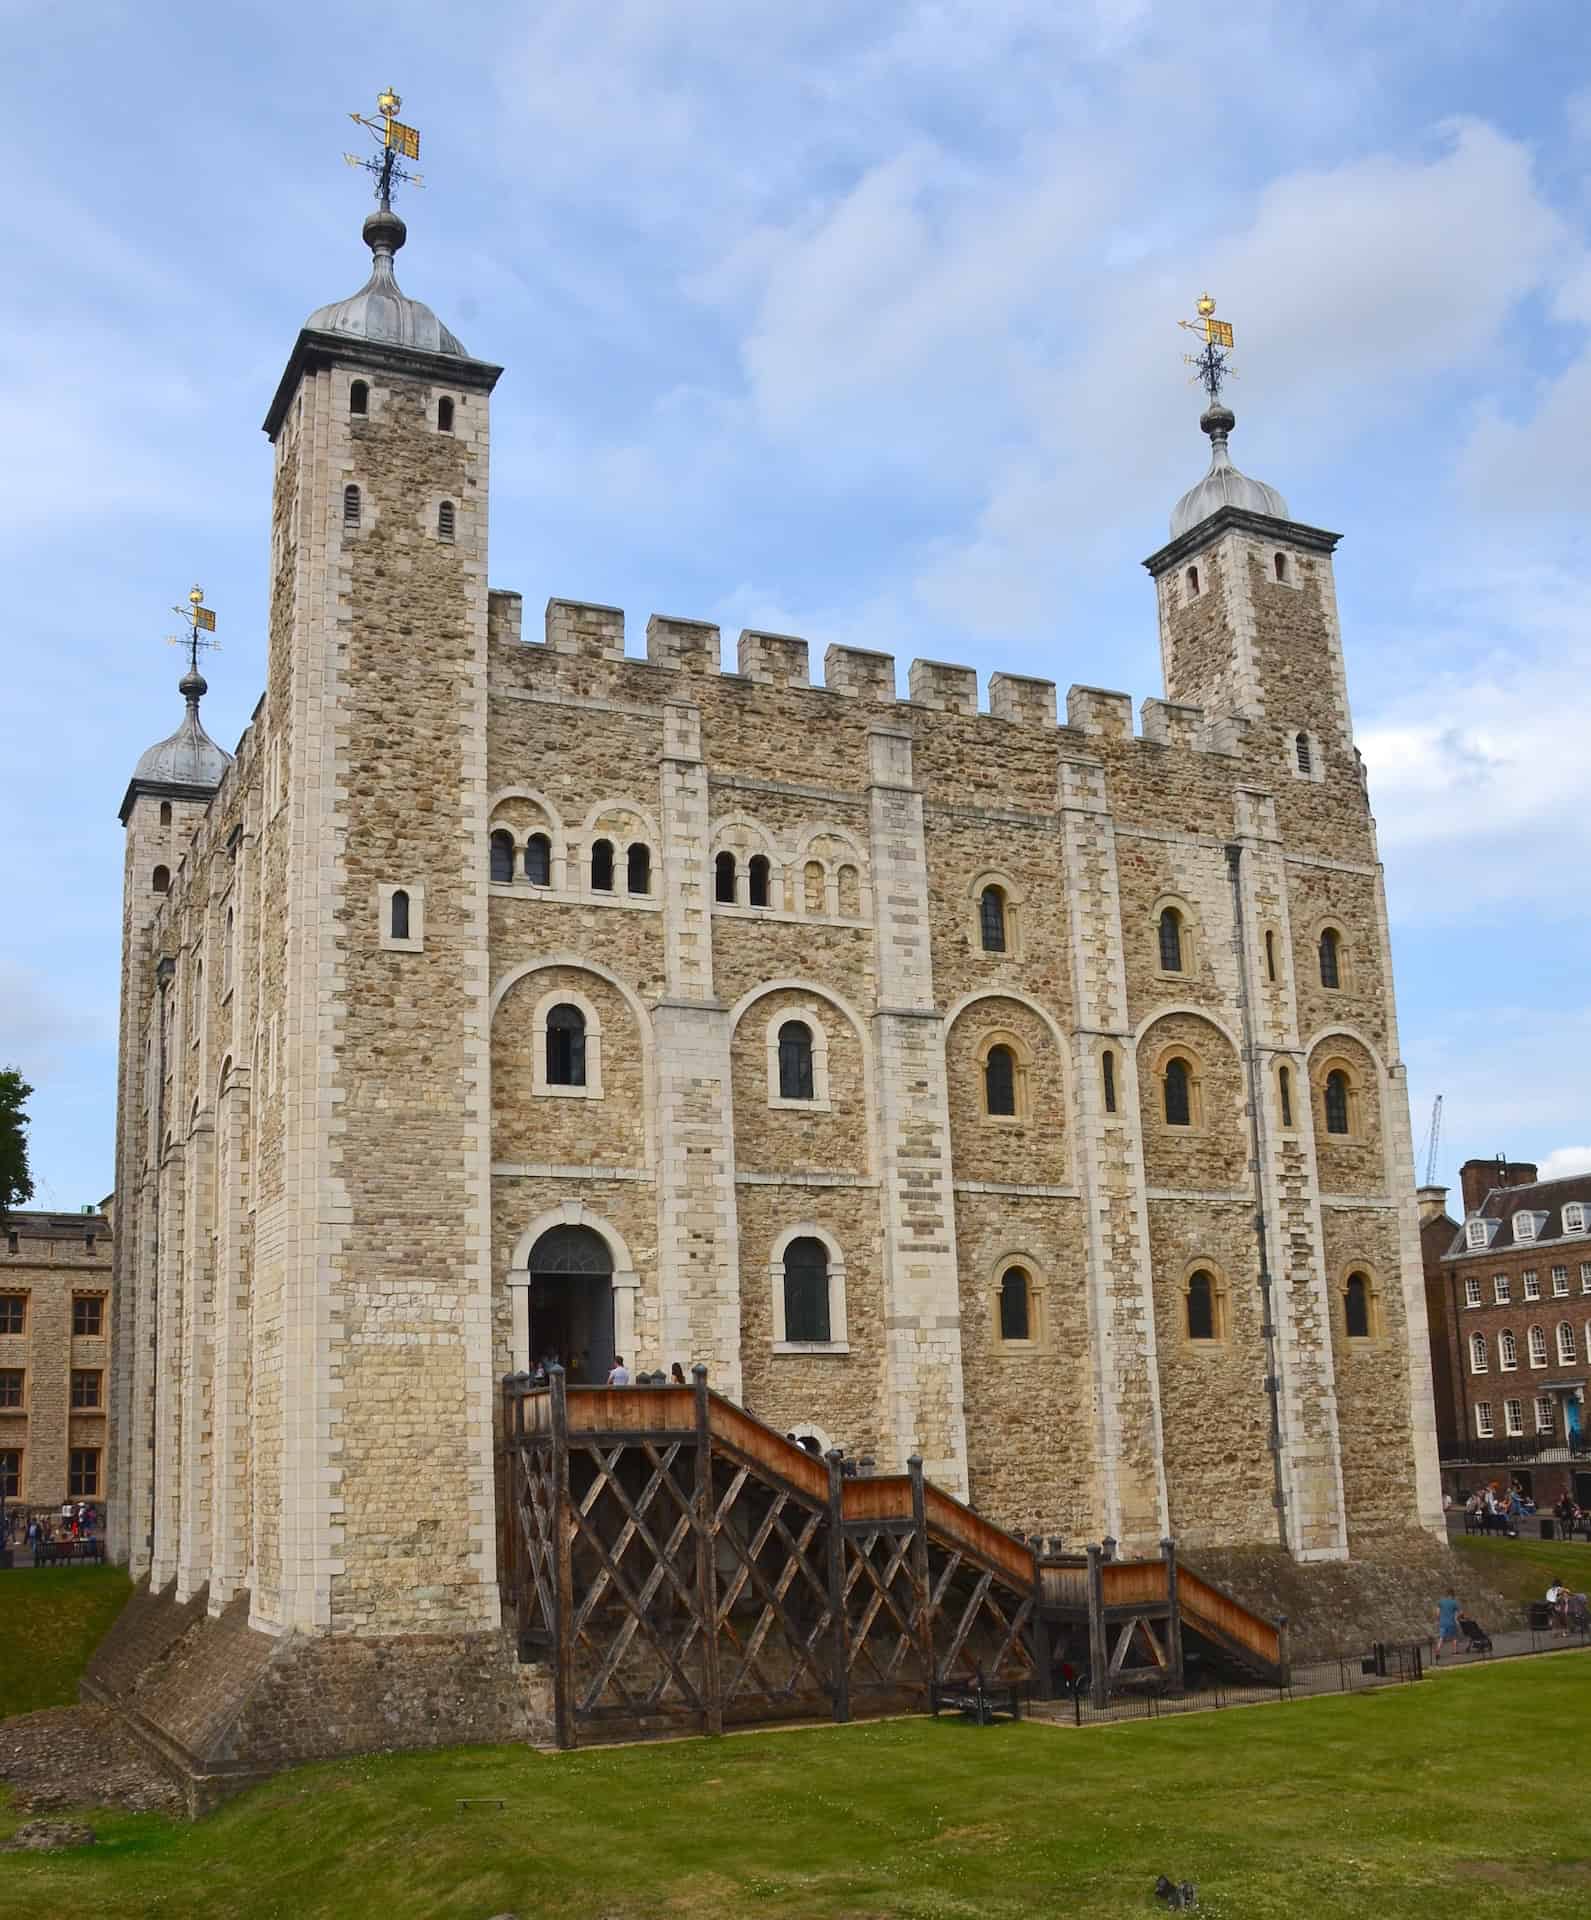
340,1143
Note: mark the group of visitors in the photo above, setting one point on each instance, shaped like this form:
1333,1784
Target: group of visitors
32,1528
1495,1511
1567,1610
619,1375
1571,1516
578,1372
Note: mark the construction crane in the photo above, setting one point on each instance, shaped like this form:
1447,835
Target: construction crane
1433,1140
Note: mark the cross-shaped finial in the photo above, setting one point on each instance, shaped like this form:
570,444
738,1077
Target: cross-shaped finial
201,623
397,143
1210,366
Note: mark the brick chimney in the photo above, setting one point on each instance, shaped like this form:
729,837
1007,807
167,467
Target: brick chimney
1478,1177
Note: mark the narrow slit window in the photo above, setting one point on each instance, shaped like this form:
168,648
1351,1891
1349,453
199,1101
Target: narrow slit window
1107,1074
1179,1095
350,509
999,1082
444,521
398,924
1356,1307
1336,1101
566,1047
1301,749
538,860
1201,1306
1281,566
359,397
502,857
757,880
1270,954
1193,579
638,868
1170,941
991,920
602,866
1016,1315
444,415
795,1061
165,813
724,879
1284,1085
1330,958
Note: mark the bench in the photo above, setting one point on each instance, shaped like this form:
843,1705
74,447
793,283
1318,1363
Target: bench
55,1553
975,1700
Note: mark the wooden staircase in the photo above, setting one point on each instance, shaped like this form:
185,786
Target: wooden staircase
681,1566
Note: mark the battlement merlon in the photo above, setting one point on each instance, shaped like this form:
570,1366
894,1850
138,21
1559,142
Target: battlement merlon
1290,533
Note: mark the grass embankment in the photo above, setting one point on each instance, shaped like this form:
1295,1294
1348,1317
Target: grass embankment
1333,1807
51,1620
1522,1570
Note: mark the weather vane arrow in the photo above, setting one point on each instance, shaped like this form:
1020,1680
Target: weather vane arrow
397,143
1210,367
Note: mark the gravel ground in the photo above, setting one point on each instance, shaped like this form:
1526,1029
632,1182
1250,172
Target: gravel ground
80,1757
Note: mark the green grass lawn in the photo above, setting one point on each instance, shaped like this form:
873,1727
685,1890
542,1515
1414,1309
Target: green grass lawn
51,1619
1368,1805
1522,1569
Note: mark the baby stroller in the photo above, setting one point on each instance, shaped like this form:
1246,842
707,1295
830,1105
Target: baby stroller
1476,1638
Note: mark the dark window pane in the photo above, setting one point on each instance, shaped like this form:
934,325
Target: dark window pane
502,857
12,1382
724,878
999,1081
359,397
1330,973
538,860
1171,941
1201,1307
11,1473
83,1477
1014,1297
566,1047
12,1308
991,920
602,866
1284,1081
758,878
638,863
806,1290
1337,1102
400,915
1179,1106
1108,1074
1358,1307
444,416
795,1061
85,1387
88,1315
1301,745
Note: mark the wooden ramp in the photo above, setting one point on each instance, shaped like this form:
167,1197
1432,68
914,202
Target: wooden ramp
680,1566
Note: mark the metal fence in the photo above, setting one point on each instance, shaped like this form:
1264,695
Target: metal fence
1385,1664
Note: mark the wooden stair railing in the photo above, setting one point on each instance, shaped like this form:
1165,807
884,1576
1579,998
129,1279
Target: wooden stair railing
680,1562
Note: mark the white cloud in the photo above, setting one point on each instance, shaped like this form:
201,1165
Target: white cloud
1563,1161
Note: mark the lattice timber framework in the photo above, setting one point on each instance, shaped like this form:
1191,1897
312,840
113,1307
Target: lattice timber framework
681,1566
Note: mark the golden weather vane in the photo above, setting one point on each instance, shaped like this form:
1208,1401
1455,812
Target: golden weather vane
1210,367
201,621
397,143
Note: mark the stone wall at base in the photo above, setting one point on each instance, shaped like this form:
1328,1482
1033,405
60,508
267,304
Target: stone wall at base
1388,1591
221,1704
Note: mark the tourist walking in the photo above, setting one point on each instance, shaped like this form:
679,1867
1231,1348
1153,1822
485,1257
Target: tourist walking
1446,1624
619,1374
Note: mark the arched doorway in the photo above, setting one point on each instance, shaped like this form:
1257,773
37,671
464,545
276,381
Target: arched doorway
571,1302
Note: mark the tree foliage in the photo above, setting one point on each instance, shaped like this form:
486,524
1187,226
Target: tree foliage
16,1182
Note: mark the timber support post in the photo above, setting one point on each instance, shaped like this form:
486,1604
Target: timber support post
707,1558
1285,1656
563,1565
839,1624
1043,1654
1168,1550
922,1585
1098,1658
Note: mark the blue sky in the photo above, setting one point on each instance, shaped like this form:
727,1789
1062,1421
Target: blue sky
854,322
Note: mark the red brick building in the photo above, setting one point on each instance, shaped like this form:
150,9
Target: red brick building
1508,1296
